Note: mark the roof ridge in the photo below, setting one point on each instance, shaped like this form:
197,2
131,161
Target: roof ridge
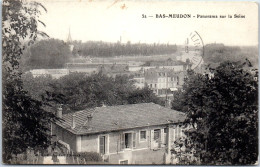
104,118
82,110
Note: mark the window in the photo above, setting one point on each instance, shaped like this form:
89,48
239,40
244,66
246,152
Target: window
102,144
142,135
151,85
155,85
165,130
157,134
134,140
123,162
178,131
128,139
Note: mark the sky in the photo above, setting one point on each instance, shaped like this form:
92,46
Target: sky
107,20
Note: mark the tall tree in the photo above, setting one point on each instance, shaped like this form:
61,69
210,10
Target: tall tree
49,53
224,112
81,91
25,122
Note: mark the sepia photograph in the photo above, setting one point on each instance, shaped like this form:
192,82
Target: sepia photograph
121,82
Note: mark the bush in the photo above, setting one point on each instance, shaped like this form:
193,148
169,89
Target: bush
89,156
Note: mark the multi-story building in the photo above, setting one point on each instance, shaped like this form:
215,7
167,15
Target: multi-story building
139,80
161,80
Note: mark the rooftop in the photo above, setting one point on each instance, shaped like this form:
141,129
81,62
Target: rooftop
121,117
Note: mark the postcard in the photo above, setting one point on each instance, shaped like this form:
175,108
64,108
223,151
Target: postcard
129,82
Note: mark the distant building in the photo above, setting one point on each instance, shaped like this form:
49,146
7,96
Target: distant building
164,83
139,80
125,134
162,80
135,63
55,73
168,62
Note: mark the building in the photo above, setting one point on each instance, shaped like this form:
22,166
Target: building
55,73
161,80
125,134
139,80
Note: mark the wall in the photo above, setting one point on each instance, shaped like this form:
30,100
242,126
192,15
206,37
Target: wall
145,152
65,136
89,143
176,67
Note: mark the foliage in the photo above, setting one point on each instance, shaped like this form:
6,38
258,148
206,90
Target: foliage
89,156
102,49
80,90
144,95
19,24
224,113
37,87
183,151
50,53
217,53
25,122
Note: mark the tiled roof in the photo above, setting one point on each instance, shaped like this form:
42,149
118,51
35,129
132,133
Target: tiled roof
113,118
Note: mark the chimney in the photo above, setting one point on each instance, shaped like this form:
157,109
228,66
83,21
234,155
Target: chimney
73,123
59,112
90,116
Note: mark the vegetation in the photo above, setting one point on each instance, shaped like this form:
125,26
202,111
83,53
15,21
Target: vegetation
49,53
25,122
80,91
103,49
224,113
88,157
218,53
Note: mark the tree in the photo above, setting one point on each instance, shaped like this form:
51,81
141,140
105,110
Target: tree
217,53
50,53
80,91
25,122
37,87
144,95
223,111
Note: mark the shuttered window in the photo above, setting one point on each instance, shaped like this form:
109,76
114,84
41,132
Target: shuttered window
122,141
142,135
102,147
157,134
134,140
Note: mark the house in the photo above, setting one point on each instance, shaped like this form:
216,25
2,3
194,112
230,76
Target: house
162,80
139,80
124,134
55,73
